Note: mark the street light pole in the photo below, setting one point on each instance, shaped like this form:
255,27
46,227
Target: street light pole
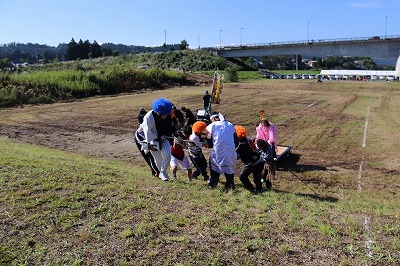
308,32
241,36
165,37
220,43
385,26
198,39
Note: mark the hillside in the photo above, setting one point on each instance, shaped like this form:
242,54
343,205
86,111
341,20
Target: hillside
78,79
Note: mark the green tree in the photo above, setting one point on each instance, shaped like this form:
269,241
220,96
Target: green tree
368,64
269,62
95,49
72,50
286,62
250,61
107,52
5,63
184,45
220,63
231,73
332,62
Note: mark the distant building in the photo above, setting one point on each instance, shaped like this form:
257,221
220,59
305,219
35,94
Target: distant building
312,63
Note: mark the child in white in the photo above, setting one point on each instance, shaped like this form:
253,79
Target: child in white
178,158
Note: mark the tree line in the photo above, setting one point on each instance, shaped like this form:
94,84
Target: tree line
33,53
286,62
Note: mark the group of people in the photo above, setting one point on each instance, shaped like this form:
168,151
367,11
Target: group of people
163,136
160,139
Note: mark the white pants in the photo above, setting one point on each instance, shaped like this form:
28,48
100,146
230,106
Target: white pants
163,156
184,164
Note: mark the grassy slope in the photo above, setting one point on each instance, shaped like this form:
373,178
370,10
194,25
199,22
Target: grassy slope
63,208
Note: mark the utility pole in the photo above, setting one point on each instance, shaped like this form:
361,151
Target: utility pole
385,26
241,36
220,43
198,39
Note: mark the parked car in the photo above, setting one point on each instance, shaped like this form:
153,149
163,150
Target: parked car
390,78
296,76
289,76
304,76
311,76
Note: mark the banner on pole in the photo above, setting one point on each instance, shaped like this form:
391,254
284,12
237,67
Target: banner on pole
217,87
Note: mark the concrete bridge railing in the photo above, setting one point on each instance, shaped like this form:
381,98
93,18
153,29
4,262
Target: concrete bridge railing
387,47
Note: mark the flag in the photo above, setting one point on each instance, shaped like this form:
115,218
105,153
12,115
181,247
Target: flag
217,87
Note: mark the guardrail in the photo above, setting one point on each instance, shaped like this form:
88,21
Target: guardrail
302,42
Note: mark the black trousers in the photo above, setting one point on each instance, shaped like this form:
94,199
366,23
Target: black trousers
214,179
200,163
147,157
256,170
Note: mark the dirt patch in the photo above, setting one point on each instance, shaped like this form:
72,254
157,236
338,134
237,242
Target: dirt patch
308,119
199,79
87,126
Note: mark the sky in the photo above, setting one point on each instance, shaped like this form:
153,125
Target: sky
202,23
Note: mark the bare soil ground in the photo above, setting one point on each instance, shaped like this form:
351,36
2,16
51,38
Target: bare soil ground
104,126
83,126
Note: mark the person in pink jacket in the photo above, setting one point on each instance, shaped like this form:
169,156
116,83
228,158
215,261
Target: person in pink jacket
267,131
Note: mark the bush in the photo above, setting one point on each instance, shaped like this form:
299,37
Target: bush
231,73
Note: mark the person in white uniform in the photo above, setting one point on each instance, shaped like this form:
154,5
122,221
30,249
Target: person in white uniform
223,154
158,129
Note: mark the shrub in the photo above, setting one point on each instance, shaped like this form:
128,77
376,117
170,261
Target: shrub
231,73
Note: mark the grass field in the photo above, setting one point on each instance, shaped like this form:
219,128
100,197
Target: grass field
335,202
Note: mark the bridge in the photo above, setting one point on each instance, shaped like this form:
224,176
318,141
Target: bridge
379,48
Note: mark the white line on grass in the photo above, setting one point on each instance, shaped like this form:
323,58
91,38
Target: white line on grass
369,240
367,218
360,176
365,130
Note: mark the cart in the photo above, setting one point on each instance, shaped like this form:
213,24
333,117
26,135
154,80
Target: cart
283,152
